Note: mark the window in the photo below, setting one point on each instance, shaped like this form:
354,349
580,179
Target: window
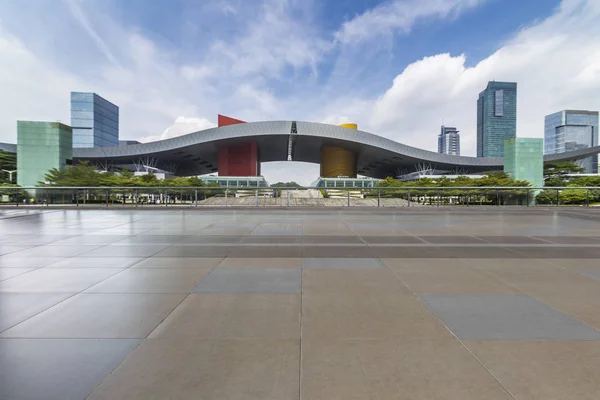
499,103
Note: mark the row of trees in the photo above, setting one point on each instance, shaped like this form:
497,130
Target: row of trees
84,174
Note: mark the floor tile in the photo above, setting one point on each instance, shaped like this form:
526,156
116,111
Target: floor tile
385,316
96,262
55,251
114,316
58,369
504,239
436,369
350,282
125,251
337,252
6,273
9,261
210,369
251,281
506,317
196,251
549,370
444,279
279,251
451,239
152,280
11,249
262,263
17,307
392,239
230,316
179,262
342,263
56,280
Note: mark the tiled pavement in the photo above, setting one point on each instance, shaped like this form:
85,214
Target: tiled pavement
300,304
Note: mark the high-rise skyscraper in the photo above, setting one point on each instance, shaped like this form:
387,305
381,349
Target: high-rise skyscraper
449,141
572,130
95,121
496,118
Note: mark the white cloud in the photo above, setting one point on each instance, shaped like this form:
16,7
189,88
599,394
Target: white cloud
555,63
181,126
398,15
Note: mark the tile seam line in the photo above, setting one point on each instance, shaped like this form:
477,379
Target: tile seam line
523,292
452,333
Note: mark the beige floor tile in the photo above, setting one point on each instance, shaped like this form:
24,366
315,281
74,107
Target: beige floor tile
396,264
548,370
452,280
499,263
275,262
438,369
107,316
346,282
577,264
368,316
179,262
275,316
248,369
153,280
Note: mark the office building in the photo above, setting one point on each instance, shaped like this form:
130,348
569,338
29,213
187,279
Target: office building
496,118
449,141
42,146
524,160
569,130
95,121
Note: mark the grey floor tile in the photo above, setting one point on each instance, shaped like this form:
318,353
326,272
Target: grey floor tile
152,280
251,281
505,317
179,262
196,251
450,239
9,249
594,273
278,251
570,239
342,263
392,239
55,251
92,316
557,252
337,252
58,369
511,239
17,307
15,261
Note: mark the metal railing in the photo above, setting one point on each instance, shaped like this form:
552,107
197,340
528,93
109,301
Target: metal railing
290,197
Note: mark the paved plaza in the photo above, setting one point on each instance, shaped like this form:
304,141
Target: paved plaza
300,304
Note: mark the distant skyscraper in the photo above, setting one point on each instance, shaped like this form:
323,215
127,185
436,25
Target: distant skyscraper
449,141
572,130
496,118
95,121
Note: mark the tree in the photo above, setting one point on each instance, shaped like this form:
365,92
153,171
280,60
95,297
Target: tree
291,184
555,174
8,162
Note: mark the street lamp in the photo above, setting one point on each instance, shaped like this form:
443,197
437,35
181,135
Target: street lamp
10,174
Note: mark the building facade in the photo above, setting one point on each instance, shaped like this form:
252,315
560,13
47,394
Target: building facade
569,130
496,118
42,146
95,121
524,160
449,141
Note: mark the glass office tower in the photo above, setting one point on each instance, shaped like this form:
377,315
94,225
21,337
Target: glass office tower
496,118
42,146
449,141
95,121
569,130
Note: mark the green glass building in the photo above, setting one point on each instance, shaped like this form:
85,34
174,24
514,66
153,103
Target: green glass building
524,160
496,118
42,146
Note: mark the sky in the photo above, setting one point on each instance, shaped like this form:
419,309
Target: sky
397,68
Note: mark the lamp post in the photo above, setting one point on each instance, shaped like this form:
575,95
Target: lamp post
10,174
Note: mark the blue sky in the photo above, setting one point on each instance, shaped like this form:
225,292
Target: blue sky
398,68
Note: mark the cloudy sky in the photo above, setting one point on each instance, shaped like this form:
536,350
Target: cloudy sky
398,68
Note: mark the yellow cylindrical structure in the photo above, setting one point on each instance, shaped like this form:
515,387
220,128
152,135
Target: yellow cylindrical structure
337,162
349,126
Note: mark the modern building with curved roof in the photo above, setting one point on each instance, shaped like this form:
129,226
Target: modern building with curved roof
236,148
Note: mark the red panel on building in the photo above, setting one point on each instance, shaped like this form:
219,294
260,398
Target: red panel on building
240,160
224,121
